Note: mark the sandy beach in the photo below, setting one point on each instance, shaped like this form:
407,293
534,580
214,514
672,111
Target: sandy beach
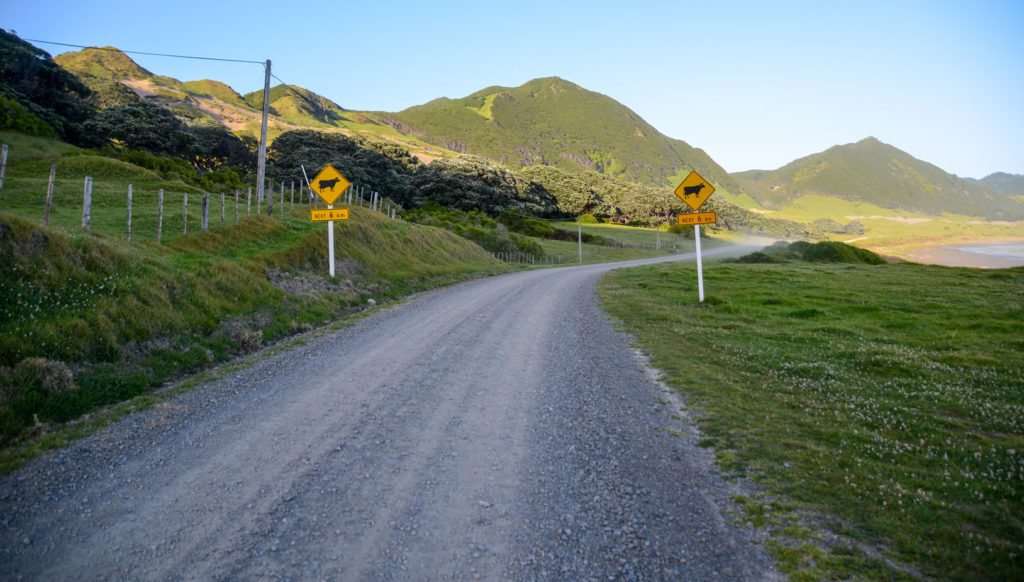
986,255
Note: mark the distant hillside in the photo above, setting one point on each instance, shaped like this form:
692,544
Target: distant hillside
551,121
103,63
217,90
1009,184
877,173
298,105
543,122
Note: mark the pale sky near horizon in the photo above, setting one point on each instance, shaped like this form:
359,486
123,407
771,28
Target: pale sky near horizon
755,84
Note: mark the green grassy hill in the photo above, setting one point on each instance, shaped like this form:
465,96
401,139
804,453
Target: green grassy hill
102,63
551,121
880,174
299,106
217,90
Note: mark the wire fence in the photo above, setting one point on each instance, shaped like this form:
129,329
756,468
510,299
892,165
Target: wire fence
157,214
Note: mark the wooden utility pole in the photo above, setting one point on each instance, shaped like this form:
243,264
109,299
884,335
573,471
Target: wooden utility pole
262,162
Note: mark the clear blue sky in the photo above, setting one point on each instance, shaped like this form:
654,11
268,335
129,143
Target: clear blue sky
755,84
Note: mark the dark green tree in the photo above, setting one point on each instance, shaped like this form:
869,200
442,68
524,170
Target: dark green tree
216,148
351,156
31,77
146,127
473,183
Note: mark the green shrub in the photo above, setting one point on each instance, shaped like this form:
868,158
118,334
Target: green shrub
837,252
760,257
536,228
14,116
483,230
824,251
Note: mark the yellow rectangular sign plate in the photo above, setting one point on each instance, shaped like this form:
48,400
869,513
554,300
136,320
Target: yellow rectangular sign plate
328,214
697,218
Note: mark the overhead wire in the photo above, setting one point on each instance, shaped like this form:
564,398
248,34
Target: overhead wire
286,85
297,94
101,48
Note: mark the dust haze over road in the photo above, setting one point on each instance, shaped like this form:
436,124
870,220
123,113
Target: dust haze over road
497,430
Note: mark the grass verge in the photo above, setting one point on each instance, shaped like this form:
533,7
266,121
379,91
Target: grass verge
87,321
878,408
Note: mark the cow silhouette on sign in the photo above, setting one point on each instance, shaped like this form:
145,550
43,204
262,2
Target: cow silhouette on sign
693,190
328,184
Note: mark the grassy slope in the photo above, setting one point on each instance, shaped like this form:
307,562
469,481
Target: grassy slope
217,90
126,317
884,398
638,243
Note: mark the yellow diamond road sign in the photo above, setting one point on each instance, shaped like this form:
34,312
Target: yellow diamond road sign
329,184
694,190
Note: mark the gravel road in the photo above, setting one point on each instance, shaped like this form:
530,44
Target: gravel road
497,430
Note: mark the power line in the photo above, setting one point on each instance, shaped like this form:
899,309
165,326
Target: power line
99,48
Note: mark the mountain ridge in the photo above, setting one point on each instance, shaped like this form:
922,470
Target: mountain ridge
1003,183
530,125
552,121
877,173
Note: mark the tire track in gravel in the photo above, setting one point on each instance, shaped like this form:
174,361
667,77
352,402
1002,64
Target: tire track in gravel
501,429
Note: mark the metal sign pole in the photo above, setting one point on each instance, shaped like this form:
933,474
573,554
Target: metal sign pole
330,222
330,242
700,266
579,233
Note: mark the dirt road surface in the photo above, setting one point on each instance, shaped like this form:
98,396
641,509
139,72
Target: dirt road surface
497,430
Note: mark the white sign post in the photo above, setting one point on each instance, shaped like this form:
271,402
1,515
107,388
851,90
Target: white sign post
700,267
694,190
328,184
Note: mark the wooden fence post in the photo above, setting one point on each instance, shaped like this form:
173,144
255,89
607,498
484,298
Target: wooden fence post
270,198
293,195
236,206
128,234
248,202
222,209
87,203
3,167
184,214
282,199
49,194
160,216
206,212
